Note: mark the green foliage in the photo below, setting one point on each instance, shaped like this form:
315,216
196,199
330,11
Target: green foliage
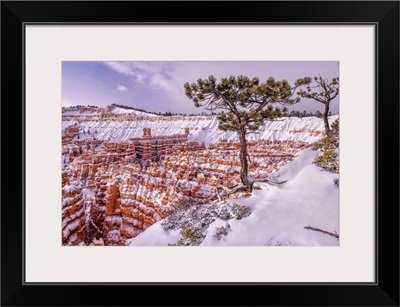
220,231
323,92
240,211
183,210
335,127
295,113
193,220
328,158
245,105
150,112
244,102
191,235
329,149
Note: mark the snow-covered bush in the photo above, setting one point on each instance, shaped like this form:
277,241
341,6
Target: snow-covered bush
182,213
192,233
328,147
335,127
240,211
194,220
220,231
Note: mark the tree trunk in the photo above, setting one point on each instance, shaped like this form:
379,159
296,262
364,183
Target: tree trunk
326,122
243,160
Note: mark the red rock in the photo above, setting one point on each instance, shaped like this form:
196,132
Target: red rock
137,182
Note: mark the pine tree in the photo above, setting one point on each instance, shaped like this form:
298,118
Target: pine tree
324,92
318,114
245,104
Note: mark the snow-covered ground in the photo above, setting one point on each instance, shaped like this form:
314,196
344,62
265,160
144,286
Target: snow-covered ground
117,110
279,213
202,128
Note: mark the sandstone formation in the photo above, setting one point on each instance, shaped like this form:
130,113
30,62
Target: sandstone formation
136,183
74,229
123,170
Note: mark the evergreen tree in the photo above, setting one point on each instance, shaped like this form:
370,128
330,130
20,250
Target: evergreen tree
245,104
324,92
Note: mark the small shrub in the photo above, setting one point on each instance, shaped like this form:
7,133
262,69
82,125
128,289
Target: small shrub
220,231
177,218
194,220
335,127
240,211
328,158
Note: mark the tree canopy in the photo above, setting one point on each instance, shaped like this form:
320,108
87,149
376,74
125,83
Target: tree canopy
244,101
245,104
323,92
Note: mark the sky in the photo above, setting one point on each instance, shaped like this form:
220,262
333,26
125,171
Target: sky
158,86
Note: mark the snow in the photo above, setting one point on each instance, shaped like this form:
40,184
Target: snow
71,188
156,236
70,227
117,110
113,219
71,112
279,213
73,217
87,194
201,129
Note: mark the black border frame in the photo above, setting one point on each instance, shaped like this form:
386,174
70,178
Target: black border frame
385,17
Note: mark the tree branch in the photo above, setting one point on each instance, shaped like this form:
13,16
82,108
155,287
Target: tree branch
335,235
269,181
334,96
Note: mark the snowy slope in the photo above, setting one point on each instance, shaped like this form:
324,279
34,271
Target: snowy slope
202,129
117,110
278,213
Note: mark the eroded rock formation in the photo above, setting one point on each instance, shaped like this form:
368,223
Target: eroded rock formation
116,191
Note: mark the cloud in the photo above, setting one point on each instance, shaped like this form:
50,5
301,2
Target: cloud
158,75
160,84
122,88
120,67
127,69
160,81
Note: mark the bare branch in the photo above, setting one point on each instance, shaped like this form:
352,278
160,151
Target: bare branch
335,235
269,181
